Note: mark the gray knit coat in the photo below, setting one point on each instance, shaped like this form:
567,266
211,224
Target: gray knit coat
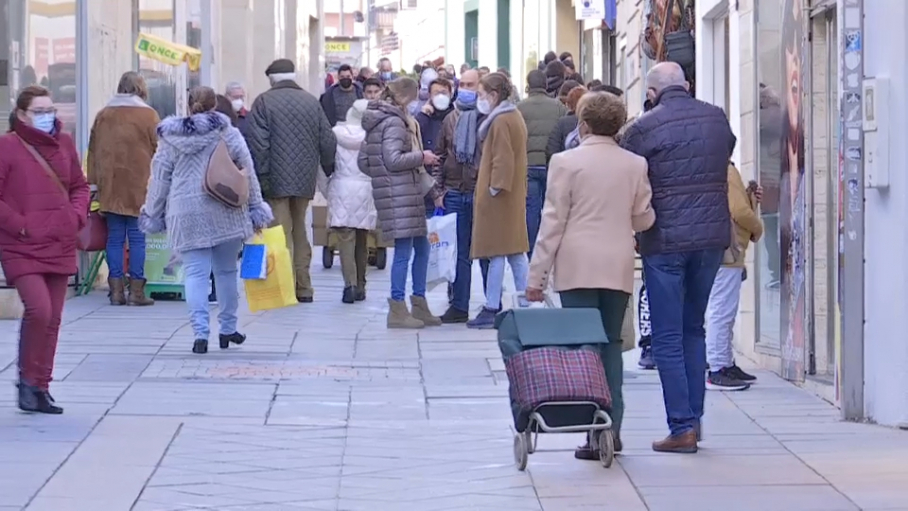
176,201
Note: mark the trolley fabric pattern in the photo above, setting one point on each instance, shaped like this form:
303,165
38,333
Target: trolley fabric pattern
556,378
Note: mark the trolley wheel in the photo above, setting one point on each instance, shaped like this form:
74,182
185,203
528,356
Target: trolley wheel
521,455
371,260
327,257
381,257
606,448
528,434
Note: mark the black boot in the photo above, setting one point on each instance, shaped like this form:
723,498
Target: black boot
349,294
32,399
235,338
200,346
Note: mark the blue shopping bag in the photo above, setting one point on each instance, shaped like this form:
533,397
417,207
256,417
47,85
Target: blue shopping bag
254,265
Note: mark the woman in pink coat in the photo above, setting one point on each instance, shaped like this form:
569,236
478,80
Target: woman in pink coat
43,205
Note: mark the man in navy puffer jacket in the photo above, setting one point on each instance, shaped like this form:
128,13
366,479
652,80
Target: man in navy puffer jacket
687,144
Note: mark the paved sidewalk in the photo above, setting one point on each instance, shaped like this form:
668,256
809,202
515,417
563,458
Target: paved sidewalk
325,409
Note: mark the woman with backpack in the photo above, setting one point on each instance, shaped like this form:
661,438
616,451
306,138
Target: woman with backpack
204,231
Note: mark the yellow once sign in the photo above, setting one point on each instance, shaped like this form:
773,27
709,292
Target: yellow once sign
168,52
337,47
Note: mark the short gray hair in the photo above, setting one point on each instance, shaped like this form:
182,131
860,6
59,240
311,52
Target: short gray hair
232,86
664,75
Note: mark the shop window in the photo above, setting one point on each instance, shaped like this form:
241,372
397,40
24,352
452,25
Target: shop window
780,164
532,53
38,47
194,37
156,17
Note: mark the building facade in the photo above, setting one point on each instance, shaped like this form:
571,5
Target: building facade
806,84
79,48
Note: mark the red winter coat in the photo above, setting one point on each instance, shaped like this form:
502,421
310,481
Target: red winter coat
31,202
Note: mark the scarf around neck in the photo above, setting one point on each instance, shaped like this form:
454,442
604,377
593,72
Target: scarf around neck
503,108
465,134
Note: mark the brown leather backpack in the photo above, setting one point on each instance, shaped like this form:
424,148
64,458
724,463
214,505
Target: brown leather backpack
224,181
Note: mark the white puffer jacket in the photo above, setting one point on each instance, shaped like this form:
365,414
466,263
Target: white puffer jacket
349,191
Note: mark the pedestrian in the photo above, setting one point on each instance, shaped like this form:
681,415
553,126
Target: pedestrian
236,93
572,140
453,75
541,114
724,373
120,147
340,97
43,204
597,194
455,177
687,144
392,157
288,158
465,67
426,77
430,120
364,74
548,58
206,234
554,77
351,209
385,71
500,203
372,89
484,71
558,138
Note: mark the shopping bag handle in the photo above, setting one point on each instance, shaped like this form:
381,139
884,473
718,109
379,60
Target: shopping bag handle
439,212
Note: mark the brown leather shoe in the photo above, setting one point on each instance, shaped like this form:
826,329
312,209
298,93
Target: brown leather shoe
137,293
685,443
117,291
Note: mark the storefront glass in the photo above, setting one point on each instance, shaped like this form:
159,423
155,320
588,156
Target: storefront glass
156,17
781,277
39,47
194,37
532,52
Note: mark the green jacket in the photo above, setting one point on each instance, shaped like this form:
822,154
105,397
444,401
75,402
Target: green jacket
541,114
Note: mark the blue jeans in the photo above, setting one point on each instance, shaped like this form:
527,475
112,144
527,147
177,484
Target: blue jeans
520,267
198,266
678,287
461,204
121,228
403,249
536,177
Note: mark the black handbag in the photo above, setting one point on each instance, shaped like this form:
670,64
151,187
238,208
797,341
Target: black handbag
679,45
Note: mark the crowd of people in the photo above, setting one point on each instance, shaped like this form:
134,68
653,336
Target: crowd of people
557,184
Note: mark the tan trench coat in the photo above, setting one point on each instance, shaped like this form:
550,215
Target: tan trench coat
500,222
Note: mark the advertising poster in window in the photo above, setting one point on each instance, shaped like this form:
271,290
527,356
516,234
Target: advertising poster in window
792,205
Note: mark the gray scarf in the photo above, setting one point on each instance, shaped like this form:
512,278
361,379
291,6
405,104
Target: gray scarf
502,108
465,135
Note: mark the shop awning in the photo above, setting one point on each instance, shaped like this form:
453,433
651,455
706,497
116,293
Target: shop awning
168,52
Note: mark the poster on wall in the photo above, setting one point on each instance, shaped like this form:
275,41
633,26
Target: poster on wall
792,204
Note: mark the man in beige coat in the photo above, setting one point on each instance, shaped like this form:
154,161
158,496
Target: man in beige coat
725,296
598,195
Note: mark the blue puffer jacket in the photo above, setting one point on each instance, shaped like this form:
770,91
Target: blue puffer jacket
687,144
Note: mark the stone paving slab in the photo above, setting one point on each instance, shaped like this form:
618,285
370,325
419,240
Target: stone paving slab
325,409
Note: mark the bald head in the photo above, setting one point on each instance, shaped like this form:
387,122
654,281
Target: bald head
469,80
664,75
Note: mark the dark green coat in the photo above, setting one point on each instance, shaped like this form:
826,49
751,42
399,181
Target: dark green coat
541,114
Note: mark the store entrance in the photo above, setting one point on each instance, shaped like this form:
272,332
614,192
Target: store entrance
825,200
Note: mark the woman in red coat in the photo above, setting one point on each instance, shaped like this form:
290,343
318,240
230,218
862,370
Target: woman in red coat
43,205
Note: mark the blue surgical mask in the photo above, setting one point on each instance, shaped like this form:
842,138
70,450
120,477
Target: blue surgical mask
466,97
386,75
44,122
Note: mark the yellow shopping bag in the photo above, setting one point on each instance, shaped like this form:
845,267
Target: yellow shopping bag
277,289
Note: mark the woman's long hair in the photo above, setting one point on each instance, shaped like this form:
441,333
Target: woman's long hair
404,87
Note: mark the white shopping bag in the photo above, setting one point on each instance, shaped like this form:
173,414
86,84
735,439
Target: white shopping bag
442,249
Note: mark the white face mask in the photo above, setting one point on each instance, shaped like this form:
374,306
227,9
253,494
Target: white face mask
441,102
237,104
483,106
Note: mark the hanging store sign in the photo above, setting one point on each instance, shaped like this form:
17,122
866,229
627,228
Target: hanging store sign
168,52
590,9
336,47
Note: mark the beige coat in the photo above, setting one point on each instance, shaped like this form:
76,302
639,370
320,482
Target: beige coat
500,222
598,195
748,226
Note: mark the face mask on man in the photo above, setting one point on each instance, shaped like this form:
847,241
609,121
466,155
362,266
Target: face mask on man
386,75
237,104
441,102
44,122
346,82
466,97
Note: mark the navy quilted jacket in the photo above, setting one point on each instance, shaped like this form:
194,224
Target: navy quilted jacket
687,144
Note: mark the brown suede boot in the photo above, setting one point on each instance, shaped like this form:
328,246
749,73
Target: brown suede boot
399,316
421,311
685,443
137,293
117,291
